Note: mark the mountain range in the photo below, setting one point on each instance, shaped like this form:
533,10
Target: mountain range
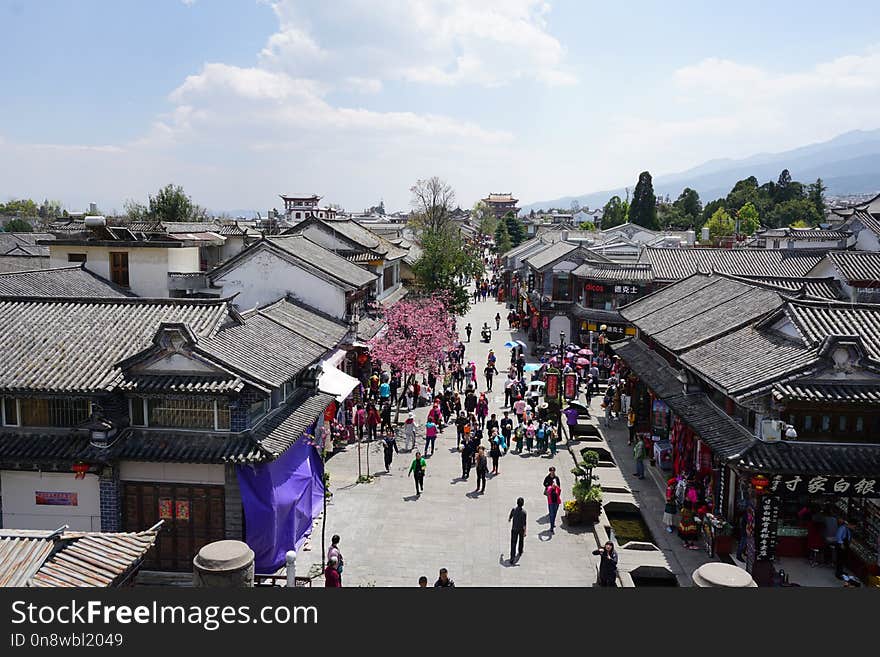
847,164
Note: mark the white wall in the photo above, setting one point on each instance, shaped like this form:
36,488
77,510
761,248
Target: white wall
557,324
264,277
176,473
20,510
826,268
148,267
868,241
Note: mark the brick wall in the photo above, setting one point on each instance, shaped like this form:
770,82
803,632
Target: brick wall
111,504
234,514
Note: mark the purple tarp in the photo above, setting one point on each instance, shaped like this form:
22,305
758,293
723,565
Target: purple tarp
281,499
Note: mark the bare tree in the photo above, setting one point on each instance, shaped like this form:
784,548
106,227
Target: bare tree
432,201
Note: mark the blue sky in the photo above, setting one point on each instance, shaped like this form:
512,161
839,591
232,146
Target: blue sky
239,100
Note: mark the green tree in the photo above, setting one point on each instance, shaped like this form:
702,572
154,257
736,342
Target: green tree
744,191
785,214
515,229
643,209
784,191
688,205
709,209
614,213
800,223
23,207
484,217
586,225
445,258
502,238
816,194
18,225
748,219
170,204
720,224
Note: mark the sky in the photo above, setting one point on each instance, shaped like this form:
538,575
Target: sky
239,101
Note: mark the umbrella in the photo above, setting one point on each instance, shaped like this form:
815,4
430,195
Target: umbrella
521,344
573,347
585,352
510,344
583,361
532,367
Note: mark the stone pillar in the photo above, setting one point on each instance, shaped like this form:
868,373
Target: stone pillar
224,564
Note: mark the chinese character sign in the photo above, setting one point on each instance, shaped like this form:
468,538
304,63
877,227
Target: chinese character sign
766,521
569,385
551,384
793,485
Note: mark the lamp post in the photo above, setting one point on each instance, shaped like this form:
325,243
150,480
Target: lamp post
561,380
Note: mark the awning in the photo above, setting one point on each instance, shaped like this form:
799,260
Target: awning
336,382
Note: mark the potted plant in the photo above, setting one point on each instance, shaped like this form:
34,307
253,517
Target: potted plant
589,500
572,510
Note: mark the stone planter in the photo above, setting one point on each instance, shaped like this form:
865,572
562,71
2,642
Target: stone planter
590,511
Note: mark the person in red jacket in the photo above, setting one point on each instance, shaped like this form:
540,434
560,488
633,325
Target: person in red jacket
373,421
331,575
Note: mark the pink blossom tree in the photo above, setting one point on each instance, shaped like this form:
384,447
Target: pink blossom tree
417,338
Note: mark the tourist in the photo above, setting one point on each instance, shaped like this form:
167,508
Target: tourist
607,565
385,392
530,435
460,423
541,437
390,447
409,432
841,542
571,420
482,464
373,421
495,453
551,478
497,321
554,499
518,435
519,409
490,371
443,580
468,330
509,387
594,377
423,582
417,470
333,551
552,440
482,410
467,459
639,456
517,518
360,420
506,427
331,574
430,435
385,415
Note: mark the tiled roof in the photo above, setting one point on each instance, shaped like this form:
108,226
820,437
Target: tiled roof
262,348
675,264
806,234
802,457
603,271
748,358
868,220
817,320
73,345
500,198
394,297
550,255
174,383
284,428
24,243
859,268
725,436
188,447
323,259
75,281
30,447
314,326
821,288
70,559
827,393
704,312
363,236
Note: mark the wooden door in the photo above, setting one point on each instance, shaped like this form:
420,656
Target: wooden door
119,267
194,515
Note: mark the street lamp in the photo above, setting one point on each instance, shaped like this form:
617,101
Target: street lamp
560,386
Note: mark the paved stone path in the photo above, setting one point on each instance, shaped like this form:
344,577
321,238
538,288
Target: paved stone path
390,537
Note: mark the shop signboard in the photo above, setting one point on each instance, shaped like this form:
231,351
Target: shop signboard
534,321
766,522
626,289
569,386
594,287
551,384
794,485
545,322
55,498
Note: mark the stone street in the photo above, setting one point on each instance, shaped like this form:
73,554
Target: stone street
390,537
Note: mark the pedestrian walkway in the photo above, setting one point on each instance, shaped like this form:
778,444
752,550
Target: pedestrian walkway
390,537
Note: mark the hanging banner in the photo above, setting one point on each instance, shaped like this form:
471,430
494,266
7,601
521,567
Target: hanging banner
534,321
766,522
551,384
545,322
570,385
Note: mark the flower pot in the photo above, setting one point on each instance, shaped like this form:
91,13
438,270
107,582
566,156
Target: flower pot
590,511
572,518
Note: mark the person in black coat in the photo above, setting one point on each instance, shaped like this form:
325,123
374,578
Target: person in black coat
467,459
390,447
607,565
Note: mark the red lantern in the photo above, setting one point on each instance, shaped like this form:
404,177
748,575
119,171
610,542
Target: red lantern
760,483
80,469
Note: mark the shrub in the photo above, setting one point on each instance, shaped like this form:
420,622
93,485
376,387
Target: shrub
591,459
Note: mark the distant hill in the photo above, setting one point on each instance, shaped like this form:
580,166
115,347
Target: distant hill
848,164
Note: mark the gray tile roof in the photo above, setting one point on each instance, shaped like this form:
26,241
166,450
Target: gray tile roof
858,268
188,447
802,457
749,359
73,345
181,384
283,429
726,437
821,288
705,312
263,349
550,255
362,236
868,220
676,264
310,324
805,234
325,260
828,393
615,271
816,320
75,281
24,243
